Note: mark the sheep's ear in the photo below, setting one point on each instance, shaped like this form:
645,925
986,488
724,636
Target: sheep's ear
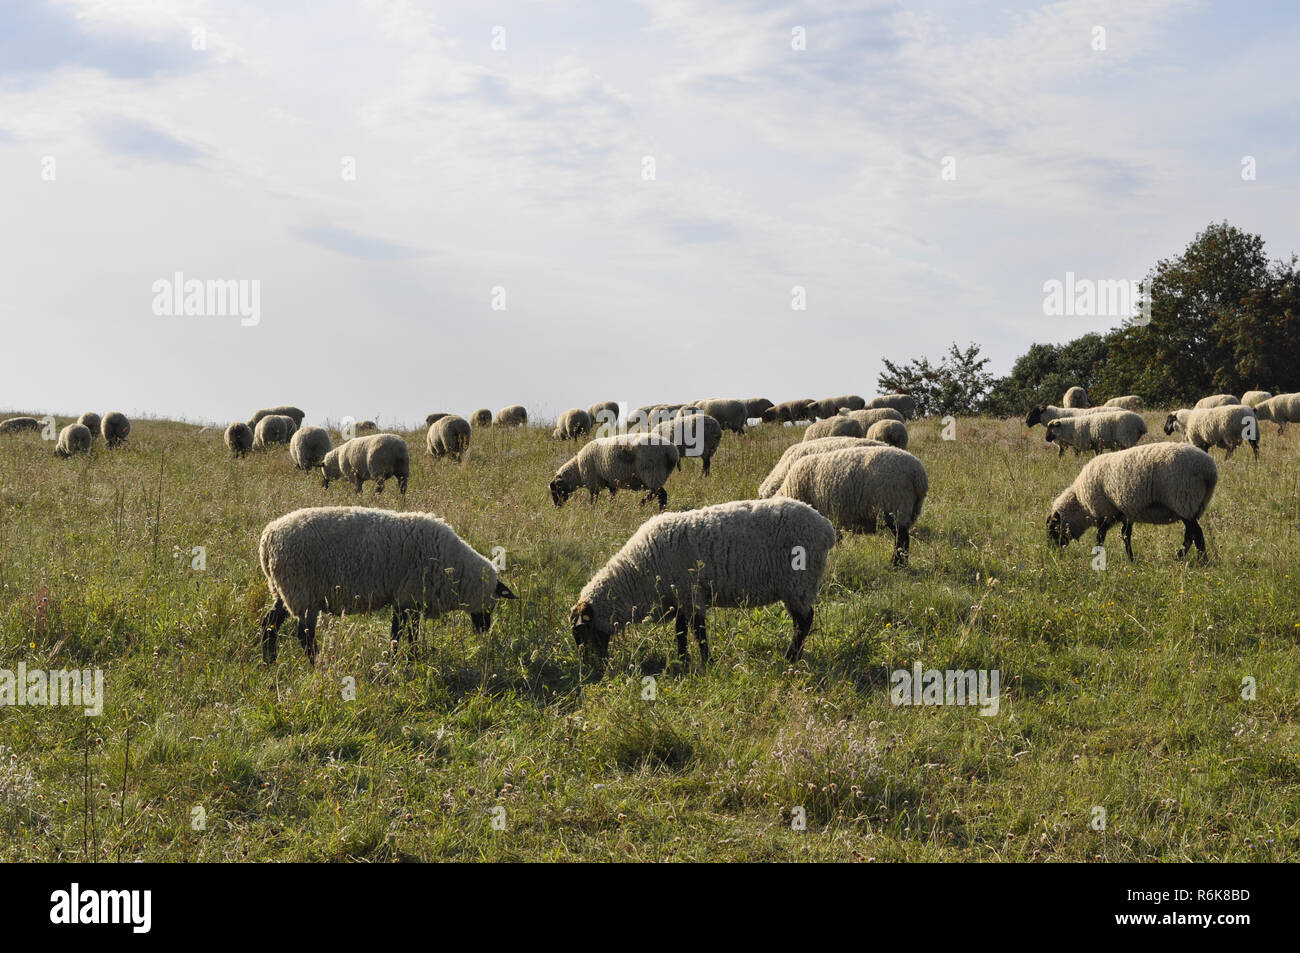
503,591
582,611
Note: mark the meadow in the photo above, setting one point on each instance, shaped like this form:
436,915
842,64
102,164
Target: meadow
1163,693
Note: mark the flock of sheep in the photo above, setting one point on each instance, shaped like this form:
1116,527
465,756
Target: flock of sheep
850,471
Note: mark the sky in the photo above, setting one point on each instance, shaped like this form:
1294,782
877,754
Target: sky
444,206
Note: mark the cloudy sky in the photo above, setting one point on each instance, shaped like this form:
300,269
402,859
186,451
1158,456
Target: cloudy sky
379,167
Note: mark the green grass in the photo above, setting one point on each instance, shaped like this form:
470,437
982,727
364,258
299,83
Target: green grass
1122,688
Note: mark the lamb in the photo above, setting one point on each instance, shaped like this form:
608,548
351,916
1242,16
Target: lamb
1226,426
835,427
1253,398
481,418
630,461
348,559
448,436
1157,483
872,415
274,429
892,432
1282,410
730,414
573,423
695,435
74,438
376,457
772,482
1117,430
115,428
292,412
742,554
853,488
91,422
512,416
1127,402
308,446
756,407
905,404
1045,413
239,438
1075,398
19,425
1216,400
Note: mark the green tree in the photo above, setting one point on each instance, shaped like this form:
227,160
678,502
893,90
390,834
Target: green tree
956,385
1046,371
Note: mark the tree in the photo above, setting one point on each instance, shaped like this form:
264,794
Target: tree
1046,371
956,385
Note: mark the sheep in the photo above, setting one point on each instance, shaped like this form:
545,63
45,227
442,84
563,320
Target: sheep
855,487
1075,398
851,401
1282,410
756,407
448,436
1127,402
365,426
1216,400
376,457
481,418
871,415
74,438
772,482
1045,413
905,404
308,446
573,423
742,554
239,438
115,428
512,416
730,414
835,427
19,425
630,461
1157,483
892,432
431,419
349,559
273,430
91,422
1115,430
292,412
791,412
1253,398
696,435
1227,426
826,408
604,414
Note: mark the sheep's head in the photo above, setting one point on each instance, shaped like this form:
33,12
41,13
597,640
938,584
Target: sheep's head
1035,416
1068,519
588,632
1053,431
559,492
1171,423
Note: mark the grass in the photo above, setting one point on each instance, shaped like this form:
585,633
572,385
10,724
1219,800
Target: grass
1122,688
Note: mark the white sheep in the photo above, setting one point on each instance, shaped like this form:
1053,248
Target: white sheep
1075,398
854,402
1157,483
16,425
275,429
1254,397
448,436
892,432
772,482
756,407
91,422
605,412
293,413
741,554
905,404
376,457
348,559
115,429
481,418
512,416
1282,410
308,447
74,438
1216,400
1127,402
730,414
1227,426
628,461
1116,430
837,426
695,435
239,438
873,415
856,487
1045,413
572,424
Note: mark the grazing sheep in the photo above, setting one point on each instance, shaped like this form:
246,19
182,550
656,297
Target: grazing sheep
1254,397
1227,426
512,416
1117,430
836,426
772,482
1216,400
573,423
348,559
74,438
376,457
1127,402
365,426
448,436
790,412
872,415
742,554
630,462
854,488
826,408
239,438
1045,413
695,435
20,425
756,407
431,419
1282,410
276,429
851,401
905,404
481,418
308,446
604,414
292,412
1075,398
91,422
1156,483
730,414
115,428
892,432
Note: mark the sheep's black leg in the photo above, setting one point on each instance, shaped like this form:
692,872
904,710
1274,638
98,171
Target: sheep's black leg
1254,445
902,541
379,486
307,634
681,621
802,626
889,524
270,628
1198,537
1192,535
706,465
663,498
482,621
701,637
1126,532
401,485
1103,527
